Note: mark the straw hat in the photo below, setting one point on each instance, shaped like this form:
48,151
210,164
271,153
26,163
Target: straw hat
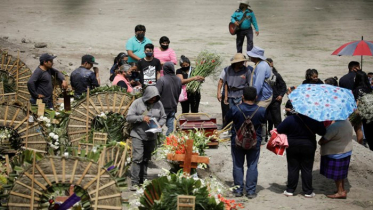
239,57
244,2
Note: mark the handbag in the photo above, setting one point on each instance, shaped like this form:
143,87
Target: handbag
278,150
183,95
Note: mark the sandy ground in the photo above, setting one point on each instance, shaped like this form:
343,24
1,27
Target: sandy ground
297,34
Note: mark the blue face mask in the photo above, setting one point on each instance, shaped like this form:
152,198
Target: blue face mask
149,54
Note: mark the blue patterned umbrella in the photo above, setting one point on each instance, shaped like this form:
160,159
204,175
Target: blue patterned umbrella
323,102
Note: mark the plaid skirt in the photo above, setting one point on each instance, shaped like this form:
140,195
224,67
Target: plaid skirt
335,169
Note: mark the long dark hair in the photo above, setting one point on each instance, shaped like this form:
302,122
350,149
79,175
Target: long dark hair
362,81
331,81
311,72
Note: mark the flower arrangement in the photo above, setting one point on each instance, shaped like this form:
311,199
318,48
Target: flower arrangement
206,64
176,144
44,120
161,193
365,107
9,139
54,143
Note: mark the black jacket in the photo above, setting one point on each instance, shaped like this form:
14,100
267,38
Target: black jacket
280,88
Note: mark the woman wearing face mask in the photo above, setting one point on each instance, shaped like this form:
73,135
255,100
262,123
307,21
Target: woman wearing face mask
164,53
184,74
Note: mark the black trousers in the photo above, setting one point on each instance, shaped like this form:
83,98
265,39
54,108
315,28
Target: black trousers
224,109
240,37
274,114
368,132
193,101
300,158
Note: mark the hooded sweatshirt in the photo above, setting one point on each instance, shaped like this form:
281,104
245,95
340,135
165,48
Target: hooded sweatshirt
169,87
139,108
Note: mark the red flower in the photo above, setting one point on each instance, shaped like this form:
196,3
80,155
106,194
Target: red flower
150,82
213,61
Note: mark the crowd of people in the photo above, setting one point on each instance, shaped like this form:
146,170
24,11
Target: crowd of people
243,90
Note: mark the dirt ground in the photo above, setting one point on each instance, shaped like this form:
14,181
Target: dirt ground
297,34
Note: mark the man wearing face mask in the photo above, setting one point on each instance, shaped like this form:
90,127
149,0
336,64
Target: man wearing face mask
237,77
83,78
135,45
245,28
149,67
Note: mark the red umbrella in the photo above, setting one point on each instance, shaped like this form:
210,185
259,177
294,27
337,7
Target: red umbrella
361,48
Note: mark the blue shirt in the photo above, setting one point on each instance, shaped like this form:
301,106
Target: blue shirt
137,47
261,73
246,24
235,115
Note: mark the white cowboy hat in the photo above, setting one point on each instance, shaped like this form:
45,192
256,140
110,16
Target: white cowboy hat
256,52
244,2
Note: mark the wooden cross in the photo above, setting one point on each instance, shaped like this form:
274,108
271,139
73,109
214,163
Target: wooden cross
189,159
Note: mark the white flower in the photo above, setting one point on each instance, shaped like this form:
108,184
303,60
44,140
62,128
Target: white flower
57,113
140,191
51,134
55,137
56,143
53,146
48,125
138,203
47,120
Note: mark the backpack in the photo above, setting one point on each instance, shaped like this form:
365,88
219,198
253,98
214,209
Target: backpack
246,135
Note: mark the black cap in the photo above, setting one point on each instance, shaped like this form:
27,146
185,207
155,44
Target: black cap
89,59
46,57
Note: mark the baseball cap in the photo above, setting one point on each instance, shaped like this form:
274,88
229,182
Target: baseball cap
89,59
46,57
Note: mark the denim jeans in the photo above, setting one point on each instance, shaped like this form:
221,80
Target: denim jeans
170,122
234,101
252,157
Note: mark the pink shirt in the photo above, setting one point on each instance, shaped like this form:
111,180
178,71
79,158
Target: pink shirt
165,56
120,77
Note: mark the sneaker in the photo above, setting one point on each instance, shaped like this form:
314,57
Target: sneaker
237,194
251,196
286,193
310,195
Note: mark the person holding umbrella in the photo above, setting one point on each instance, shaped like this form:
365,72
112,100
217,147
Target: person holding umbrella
314,104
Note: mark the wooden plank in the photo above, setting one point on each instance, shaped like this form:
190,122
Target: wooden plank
76,132
27,125
6,115
123,161
22,91
106,207
115,99
76,118
8,168
128,106
30,135
94,106
36,150
21,205
25,71
30,126
36,142
77,139
41,109
102,187
84,173
121,103
32,180
109,196
99,100
87,119
77,126
73,173
43,175
24,196
63,169
117,155
36,181
28,187
195,158
20,123
88,110
54,170
80,112
19,95
107,102
94,179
